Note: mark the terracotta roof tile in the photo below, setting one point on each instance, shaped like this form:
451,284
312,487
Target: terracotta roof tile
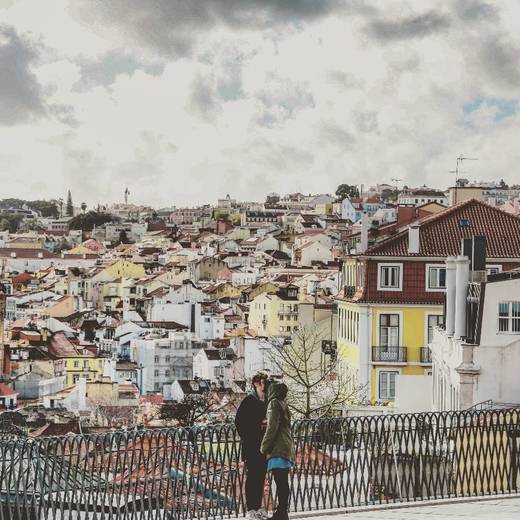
441,234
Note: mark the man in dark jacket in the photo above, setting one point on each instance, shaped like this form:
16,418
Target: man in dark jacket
250,423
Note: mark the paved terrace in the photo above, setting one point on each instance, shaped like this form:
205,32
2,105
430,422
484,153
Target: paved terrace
505,508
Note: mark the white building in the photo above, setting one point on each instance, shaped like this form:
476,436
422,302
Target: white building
73,398
208,326
162,357
422,196
477,357
311,252
215,365
245,277
254,354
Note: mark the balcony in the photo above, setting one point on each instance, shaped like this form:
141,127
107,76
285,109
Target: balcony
426,355
288,313
389,354
349,291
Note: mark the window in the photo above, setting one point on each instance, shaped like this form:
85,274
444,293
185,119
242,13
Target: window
167,359
167,373
387,385
509,317
434,320
493,269
76,364
436,278
390,277
389,330
156,373
156,359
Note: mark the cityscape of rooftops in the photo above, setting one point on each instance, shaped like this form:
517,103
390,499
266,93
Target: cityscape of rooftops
257,256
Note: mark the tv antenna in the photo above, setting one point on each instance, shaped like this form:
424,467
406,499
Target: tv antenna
457,171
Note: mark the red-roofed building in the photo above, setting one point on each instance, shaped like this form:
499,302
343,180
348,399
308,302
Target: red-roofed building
8,397
394,292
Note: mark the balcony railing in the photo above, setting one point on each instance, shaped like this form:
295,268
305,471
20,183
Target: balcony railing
192,473
288,312
349,291
389,354
426,355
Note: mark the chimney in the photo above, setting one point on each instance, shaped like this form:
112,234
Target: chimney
365,224
413,239
462,277
451,280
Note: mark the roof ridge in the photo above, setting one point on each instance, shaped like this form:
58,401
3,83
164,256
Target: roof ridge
432,219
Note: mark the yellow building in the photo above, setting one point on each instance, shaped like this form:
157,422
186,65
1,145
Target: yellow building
377,341
87,366
275,313
77,361
125,269
394,293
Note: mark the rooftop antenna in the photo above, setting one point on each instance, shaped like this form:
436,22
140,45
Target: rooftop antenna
397,181
457,171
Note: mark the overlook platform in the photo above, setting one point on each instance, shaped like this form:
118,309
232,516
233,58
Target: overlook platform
486,508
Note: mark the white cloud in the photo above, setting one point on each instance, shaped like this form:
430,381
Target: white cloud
354,92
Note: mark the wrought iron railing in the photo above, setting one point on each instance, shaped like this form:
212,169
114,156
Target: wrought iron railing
197,473
426,355
389,354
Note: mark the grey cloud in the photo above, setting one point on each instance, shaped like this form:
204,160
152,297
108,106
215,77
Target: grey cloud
65,114
342,79
21,96
333,134
367,122
408,28
203,100
171,27
283,99
474,10
500,59
285,158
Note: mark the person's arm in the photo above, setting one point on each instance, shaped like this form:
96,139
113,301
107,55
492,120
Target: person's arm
273,421
241,418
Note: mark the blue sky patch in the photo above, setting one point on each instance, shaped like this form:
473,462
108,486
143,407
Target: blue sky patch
504,107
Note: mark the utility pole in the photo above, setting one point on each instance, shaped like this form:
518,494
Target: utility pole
457,171
2,316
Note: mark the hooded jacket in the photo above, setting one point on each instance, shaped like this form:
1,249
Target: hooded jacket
278,441
248,420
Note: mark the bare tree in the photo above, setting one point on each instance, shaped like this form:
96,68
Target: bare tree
316,386
190,410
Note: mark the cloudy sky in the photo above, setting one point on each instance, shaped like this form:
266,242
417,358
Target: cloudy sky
184,101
